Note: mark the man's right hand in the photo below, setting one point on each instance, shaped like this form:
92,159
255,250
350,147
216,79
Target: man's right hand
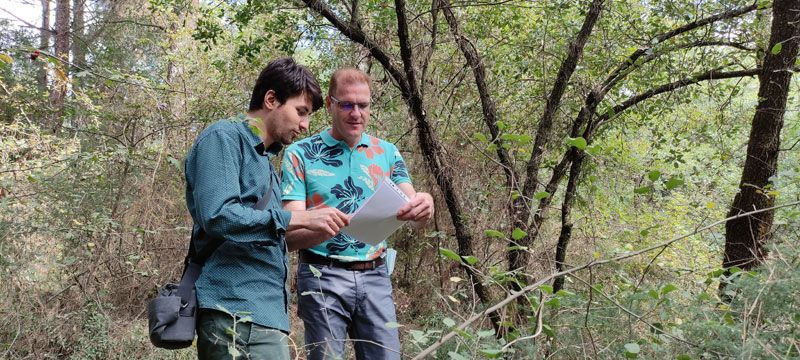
328,221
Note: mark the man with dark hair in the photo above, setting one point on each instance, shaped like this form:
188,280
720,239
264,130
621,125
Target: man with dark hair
350,294
243,282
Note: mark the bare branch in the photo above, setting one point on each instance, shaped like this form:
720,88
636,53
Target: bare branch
710,75
614,77
358,36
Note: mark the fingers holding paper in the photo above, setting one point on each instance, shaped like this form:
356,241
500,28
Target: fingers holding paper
419,209
327,221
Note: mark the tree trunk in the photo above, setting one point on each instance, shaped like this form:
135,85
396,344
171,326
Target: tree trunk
745,237
59,92
44,44
78,40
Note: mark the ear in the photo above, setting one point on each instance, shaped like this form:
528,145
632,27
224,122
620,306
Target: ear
328,103
270,101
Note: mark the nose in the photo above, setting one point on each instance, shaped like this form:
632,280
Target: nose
304,124
357,111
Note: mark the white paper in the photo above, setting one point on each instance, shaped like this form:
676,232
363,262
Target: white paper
376,219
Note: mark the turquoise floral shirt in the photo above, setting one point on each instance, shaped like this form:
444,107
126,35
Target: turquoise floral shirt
323,171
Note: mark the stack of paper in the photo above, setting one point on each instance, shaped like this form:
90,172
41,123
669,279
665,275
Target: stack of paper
376,219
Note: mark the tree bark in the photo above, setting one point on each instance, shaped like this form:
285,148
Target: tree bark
745,237
59,92
78,40
44,44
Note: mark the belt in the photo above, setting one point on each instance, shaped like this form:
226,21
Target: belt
309,257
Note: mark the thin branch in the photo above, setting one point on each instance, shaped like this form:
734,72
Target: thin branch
710,75
358,36
614,77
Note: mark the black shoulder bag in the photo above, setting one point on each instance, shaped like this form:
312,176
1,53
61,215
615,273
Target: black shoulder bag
172,315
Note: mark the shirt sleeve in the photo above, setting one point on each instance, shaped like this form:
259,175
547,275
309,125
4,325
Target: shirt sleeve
293,176
214,169
399,169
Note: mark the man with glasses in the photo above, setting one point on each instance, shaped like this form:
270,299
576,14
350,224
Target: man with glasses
348,291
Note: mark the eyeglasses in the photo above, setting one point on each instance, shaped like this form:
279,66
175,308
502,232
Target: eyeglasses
349,106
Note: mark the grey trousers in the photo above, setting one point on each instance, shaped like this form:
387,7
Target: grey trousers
347,303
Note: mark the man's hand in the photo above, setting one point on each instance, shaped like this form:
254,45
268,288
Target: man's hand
419,209
326,221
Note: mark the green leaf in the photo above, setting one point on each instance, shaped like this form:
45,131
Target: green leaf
469,259
668,289
392,325
653,294
577,142
683,357
518,234
485,333
491,353
565,293
593,149
539,195
177,164
643,190
673,182
631,350
449,322
450,254
547,330
777,49
480,137
255,129
6,59
493,233
545,288
315,271
728,318
229,331
763,4
553,303
654,175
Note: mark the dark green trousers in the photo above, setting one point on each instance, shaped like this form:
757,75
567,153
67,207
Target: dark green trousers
215,337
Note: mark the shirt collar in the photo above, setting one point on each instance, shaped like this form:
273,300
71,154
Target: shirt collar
330,141
256,141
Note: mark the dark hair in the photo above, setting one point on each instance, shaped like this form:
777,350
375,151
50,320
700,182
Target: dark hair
287,79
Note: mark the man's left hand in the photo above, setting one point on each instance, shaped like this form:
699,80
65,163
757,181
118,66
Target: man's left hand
419,209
